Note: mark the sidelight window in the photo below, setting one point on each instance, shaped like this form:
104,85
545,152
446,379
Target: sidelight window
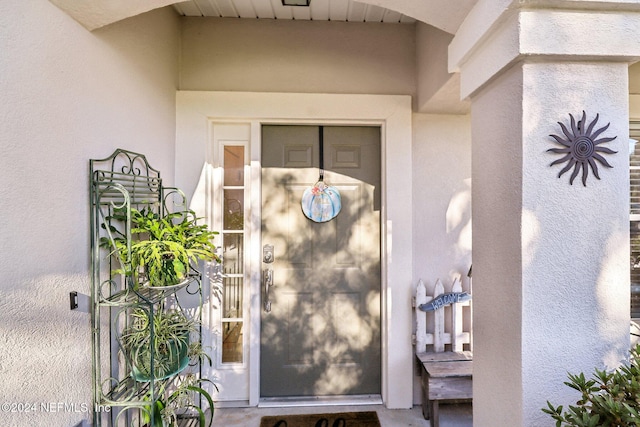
233,249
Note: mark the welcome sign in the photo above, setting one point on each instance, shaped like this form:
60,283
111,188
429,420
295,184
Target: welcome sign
444,300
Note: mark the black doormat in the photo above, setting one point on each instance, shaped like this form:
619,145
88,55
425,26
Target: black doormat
341,419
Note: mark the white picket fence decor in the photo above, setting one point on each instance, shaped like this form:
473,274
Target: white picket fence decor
437,335
444,375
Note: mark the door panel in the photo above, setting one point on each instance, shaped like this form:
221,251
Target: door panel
322,335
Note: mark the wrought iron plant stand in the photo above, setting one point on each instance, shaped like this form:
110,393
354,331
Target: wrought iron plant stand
119,184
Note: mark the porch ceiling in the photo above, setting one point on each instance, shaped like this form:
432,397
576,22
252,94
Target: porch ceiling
319,10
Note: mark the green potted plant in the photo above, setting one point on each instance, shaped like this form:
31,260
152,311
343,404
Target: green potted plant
162,248
168,344
172,402
171,351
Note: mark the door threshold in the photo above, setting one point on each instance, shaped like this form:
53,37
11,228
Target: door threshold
296,401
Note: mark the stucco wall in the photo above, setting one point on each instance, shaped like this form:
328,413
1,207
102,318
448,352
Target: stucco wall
575,239
296,56
68,95
431,62
497,183
441,155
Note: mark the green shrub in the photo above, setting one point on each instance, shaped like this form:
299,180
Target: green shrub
607,399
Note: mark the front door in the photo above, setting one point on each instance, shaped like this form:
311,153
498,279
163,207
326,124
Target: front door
321,334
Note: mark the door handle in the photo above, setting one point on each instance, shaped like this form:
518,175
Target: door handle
268,282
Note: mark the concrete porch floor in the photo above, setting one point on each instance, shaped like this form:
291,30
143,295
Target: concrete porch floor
452,415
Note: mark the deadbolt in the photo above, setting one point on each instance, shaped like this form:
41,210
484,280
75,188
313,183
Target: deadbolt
267,254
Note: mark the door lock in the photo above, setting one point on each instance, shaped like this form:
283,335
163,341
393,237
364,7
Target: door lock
267,254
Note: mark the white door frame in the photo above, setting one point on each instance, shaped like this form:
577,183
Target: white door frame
195,111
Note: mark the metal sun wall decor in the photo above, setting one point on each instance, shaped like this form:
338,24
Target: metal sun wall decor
581,148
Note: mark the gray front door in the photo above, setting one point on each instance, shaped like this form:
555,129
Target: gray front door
321,336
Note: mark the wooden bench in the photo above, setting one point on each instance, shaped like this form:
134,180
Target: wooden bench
446,376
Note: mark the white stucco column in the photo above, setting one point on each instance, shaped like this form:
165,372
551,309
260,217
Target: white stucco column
550,258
